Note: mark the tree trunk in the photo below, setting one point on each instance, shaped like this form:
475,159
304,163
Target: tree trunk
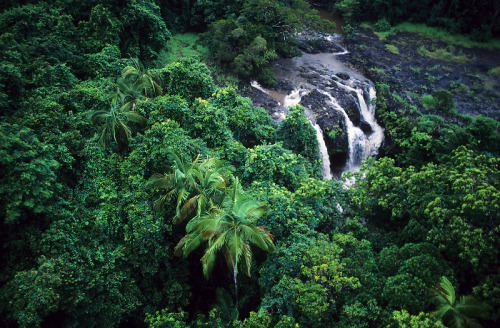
235,273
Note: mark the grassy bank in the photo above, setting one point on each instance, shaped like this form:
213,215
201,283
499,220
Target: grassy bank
436,34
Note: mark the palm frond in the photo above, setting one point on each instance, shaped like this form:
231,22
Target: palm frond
160,181
471,307
188,244
444,293
130,70
122,132
252,210
208,262
208,227
459,314
235,245
183,194
136,118
214,246
159,204
103,136
258,237
99,117
188,210
127,106
174,157
247,255
230,261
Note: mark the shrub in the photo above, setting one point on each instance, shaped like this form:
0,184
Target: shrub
443,101
382,25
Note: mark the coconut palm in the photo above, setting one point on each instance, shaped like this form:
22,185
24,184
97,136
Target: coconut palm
114,124
195,185
126,94
456,313
144,80
230,229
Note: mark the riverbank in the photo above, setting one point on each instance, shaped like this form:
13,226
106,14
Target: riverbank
416,66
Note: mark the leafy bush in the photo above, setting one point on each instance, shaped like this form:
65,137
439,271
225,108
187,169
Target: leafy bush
382,25
273,163
187,78
297,134
443,101
32,186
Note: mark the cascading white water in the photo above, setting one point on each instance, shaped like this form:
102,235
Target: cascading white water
293,99
257,86
323,151
368,145
356,137
376,138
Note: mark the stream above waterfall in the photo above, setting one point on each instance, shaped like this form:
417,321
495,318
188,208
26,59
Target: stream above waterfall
338,100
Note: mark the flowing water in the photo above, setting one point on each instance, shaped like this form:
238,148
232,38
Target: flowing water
323,152
328,15
362,142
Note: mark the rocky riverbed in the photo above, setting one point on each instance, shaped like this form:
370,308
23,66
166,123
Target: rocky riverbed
415,66
336,97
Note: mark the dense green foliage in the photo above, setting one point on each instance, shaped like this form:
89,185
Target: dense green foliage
125,179
249,39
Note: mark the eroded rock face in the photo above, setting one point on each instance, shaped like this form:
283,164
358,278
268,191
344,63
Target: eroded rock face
286,86
262,99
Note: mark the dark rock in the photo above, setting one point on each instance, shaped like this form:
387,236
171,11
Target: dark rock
332,123
316,102
343,76
410,72
285,85
328,47
262,99
307,47
365,127
348,101
337,143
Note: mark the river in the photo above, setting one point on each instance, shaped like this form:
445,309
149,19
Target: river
336,98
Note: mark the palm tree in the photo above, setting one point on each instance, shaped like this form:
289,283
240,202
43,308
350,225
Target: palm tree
144,80
229,229
196,185
126,94
114,124
456,314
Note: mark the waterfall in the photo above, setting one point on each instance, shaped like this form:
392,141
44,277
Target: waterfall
257,86
323,151
356,137
321,72
293,99
367,145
